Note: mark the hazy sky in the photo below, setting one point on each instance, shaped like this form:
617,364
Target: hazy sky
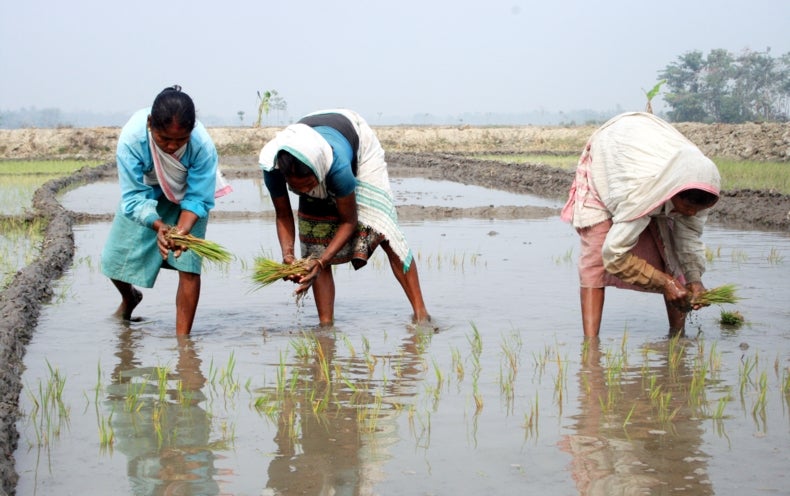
402,57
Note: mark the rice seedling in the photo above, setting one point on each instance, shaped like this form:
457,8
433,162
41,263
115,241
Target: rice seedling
714,361
732,319
720,406
675,353
665,415
478,397
458,364
134,392
717,296
762,395
266,271
106,432
566,258
699,379
208,250
161,382
627,419
745,370
48,402
775,257
439,374
323,361
530,424
511,348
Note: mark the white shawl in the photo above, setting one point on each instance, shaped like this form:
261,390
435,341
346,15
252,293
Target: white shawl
171,175
375,205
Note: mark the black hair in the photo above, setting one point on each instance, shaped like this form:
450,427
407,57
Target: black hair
698,197
173,104
291,166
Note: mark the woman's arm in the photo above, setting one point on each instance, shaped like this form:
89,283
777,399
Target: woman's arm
138,201
286,228
347,211
202,173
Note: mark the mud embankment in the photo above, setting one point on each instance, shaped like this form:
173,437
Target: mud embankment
765,141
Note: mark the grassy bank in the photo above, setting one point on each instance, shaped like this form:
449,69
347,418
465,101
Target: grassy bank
735,174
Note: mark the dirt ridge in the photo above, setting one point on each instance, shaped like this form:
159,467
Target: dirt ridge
753,141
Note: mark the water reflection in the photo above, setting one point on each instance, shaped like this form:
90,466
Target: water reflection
159,424
636,432
335,416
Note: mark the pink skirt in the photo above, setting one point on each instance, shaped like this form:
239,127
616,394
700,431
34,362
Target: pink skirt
592,274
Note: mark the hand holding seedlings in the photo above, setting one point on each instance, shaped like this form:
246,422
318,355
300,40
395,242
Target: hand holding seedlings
315,266
164,242
675,294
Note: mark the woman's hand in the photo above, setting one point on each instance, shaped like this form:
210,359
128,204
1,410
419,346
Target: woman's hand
695,289
676,294
162,241
290,259
307,280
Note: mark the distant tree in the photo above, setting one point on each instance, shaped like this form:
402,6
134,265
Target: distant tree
268,101
723,87
241,116
278,104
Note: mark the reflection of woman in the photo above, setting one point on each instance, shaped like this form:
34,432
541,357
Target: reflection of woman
335,162
641,457
638,204
165,441
327,452
167,170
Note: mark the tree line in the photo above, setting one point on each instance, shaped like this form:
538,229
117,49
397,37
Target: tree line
718,87
728,88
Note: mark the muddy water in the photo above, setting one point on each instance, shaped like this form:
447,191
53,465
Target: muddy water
504,398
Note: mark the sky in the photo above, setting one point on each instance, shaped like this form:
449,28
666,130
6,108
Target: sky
386,60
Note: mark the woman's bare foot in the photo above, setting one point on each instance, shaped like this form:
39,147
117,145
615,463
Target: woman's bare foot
421,317
128,303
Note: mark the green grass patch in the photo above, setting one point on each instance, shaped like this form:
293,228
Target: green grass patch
57,167
566,162
754,175
735,174
19,179
19,245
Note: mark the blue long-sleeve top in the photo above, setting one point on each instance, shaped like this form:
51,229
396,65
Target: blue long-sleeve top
133,156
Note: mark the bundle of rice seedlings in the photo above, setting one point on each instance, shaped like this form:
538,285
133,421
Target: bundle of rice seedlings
731,319
209,250
718,296
266,271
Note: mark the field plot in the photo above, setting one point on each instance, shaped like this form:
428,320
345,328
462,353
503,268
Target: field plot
503,396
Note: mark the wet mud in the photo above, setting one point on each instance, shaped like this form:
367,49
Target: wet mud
20,303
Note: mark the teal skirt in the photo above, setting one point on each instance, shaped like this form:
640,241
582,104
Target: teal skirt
131,254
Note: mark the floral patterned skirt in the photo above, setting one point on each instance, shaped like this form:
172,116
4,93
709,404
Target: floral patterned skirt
318,224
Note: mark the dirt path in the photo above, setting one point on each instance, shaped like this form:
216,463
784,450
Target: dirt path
20,303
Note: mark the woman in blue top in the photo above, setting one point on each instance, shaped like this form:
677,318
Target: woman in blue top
333,160
167,171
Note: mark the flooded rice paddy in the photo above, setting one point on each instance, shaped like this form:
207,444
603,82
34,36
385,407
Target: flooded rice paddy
504,397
